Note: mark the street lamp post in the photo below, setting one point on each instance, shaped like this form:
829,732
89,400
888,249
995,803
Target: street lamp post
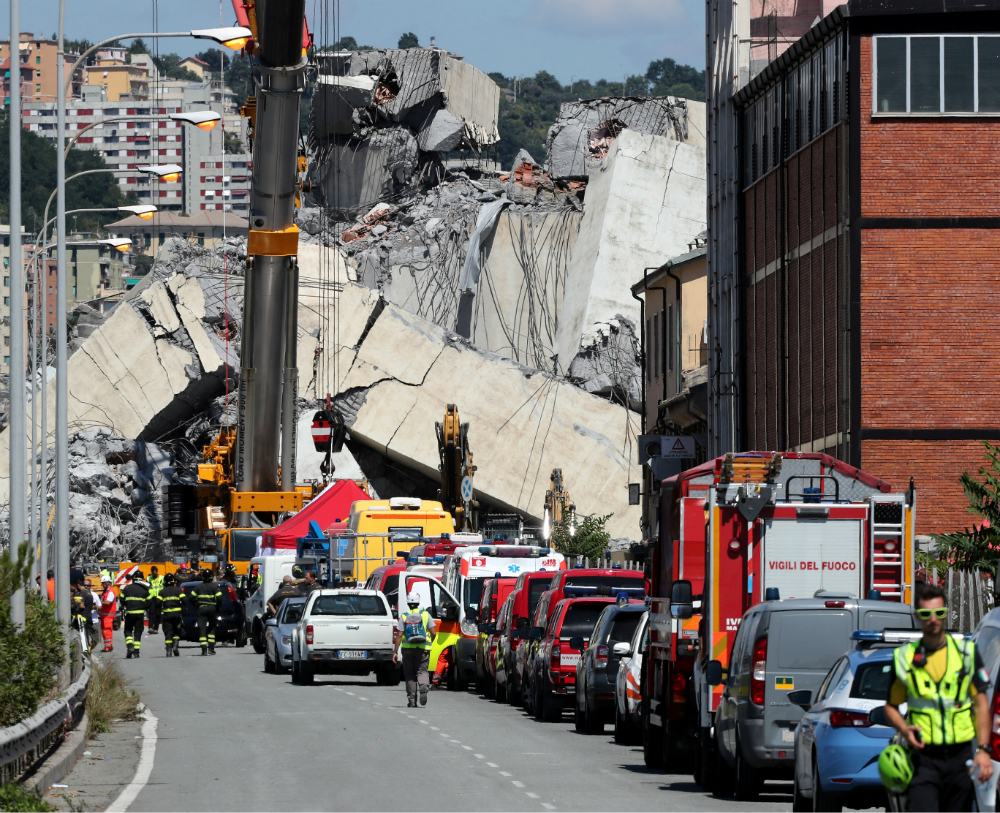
234,38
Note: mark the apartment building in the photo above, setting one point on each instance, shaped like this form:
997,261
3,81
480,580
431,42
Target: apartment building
119,80
39,61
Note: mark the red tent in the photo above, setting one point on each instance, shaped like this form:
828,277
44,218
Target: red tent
332,505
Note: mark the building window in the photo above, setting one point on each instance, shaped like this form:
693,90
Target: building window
6,300
934,75
6,361
38,60
6,282
6,341
670,337
656,345
649,360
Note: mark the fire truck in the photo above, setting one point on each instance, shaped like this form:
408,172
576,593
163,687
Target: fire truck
745,528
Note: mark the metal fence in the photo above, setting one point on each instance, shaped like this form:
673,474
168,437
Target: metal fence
24,744
970,596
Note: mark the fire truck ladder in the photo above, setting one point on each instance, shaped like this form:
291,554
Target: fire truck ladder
886,545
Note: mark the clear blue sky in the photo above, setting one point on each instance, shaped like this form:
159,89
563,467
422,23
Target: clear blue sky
589,39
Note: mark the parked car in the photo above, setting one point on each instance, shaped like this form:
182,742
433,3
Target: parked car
552,678
527,592
836,744
597,672
628,687
497,645
344,632
495,592
783,646
278,635
231,624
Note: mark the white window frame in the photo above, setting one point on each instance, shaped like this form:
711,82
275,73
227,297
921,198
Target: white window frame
876,113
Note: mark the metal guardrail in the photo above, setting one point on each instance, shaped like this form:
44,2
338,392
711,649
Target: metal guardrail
25,743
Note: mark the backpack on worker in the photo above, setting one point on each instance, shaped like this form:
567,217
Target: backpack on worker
414,629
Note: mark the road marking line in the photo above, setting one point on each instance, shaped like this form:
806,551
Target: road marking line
504,773
435,728
338,689
425,722
363,698
547,806
517,784
351,694
467,747
532,795
491,764
457,742
442,734
143,770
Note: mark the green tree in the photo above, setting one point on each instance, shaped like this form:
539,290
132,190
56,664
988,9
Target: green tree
38,179
138,46
589,538
143,265
670,79
212,58
30,656
409,40
234,144
169,65
239,79
976,549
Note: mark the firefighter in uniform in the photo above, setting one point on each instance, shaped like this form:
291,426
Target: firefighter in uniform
943,683
135,597
207,597
106,613
155,582
168,601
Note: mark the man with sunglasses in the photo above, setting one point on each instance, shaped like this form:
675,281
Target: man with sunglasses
943,683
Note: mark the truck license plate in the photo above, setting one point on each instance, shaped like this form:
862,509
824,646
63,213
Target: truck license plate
352,653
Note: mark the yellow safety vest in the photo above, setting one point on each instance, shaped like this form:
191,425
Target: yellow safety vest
942,710
426,616
155,585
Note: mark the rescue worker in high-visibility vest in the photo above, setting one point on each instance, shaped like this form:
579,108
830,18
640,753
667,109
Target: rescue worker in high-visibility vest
135,597
106,613
413,635
168,601
155,581
207,597
943,683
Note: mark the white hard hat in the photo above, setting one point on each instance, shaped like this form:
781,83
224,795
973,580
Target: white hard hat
105,580
413,598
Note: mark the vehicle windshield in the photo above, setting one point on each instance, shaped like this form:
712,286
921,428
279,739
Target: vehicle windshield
390,587
293,612
243,544
623,627
535,589
606,581
349,605
872,681
473,593
580,620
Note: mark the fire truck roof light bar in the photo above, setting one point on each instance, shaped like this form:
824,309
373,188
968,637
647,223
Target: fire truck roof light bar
520,551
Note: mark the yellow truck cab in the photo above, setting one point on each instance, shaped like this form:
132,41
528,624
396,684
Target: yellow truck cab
381,529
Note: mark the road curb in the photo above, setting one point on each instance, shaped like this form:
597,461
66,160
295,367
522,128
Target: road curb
57,767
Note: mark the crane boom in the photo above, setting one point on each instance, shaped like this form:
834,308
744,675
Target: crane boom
268,375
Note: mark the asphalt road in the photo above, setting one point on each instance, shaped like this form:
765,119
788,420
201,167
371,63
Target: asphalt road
230,737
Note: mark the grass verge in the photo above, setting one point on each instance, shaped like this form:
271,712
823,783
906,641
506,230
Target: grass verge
17,798
110,697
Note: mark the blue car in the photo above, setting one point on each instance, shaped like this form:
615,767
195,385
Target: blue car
836,746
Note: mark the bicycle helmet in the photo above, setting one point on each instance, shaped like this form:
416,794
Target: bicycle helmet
895,768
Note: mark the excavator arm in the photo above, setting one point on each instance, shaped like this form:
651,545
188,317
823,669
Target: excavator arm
457,471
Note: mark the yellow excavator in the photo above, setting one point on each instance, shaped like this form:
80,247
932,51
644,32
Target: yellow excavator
558,505
457,471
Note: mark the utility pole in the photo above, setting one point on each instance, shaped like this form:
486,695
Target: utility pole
18,441
61,556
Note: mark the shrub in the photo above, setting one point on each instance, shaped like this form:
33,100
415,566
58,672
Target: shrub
109,697
29,657
19,799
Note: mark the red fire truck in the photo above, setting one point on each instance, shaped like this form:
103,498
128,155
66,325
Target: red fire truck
732,531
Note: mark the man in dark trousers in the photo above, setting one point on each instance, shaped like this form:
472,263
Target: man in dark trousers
155,582
135,597
207,597
168,602
287,590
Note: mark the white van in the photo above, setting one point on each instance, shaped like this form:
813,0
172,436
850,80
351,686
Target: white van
269,571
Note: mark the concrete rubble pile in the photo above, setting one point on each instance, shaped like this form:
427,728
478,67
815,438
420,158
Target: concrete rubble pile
379,120
115,502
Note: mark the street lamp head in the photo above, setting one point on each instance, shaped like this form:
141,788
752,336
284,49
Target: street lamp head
144,211
117,243
234,37
205,119
165,172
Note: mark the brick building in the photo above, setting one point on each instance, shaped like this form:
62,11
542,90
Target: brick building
868,245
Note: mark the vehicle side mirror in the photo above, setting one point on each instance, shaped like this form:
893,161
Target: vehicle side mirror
535,633
681,599
449,610
621,649
522,623
576,643
877,716
271,622
491,629
433,611
802,697
714,673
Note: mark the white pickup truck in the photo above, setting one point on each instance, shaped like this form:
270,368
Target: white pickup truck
345,632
